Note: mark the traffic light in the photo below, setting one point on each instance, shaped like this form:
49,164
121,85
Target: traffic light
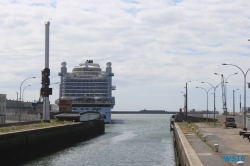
46,92
46,72
42,91
45,77
45,81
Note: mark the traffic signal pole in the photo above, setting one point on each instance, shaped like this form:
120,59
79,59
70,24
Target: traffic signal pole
46,104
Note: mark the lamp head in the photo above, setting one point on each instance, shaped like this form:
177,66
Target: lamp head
202,82
224,64
248,85
235,73
197,87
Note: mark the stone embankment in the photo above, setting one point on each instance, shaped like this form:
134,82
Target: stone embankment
18,147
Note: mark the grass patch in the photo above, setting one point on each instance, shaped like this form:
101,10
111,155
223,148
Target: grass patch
34,126
187,128
212,124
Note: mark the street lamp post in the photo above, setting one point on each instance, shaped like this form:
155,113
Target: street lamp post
24,89
226,84
214,95
234,102
184,95
20,97
207,98
23,95
225,90
55,83
16,99
245,74
240,103
186,101
16,104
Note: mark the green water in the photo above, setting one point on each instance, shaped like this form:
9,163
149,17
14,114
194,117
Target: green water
132,139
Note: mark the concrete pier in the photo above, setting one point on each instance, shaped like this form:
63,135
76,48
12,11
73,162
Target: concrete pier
191,148
20,146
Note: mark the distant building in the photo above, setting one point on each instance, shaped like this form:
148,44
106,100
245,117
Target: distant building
153,111
203,113
13,106
2,108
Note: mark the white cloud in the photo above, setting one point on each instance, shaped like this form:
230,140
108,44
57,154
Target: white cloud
155,48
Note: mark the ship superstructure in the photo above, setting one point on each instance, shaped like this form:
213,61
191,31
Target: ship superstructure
88,88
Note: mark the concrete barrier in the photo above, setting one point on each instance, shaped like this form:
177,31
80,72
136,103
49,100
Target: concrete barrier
216,147
204,138
240,163
184,153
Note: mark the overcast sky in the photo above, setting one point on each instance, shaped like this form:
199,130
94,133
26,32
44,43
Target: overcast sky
155,48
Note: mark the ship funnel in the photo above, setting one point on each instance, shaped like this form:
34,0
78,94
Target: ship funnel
86,64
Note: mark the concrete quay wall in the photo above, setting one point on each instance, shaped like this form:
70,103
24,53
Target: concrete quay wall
21,146
184,153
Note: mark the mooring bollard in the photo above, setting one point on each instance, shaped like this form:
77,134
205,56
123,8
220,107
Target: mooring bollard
192,128
197,132
204,138
13,127
216,147
189,125
240,163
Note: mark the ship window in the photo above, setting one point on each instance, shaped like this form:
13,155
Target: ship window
74,108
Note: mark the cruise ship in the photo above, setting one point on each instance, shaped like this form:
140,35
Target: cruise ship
87,88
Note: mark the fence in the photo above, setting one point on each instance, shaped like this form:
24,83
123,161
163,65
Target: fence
13,115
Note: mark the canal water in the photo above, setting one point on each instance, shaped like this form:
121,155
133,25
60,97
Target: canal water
131,139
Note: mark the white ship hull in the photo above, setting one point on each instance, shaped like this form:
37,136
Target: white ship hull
87,116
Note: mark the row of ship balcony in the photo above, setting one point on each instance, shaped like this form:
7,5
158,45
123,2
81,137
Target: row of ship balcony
93,101
85,87
101,80
85,92
85,84
89,99
90,87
